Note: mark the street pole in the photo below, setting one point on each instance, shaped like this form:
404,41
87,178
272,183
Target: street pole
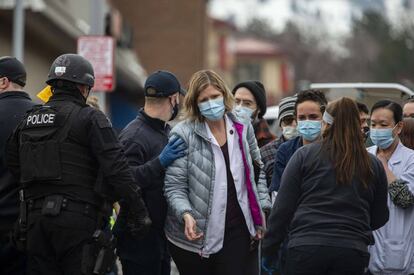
18,31
97,14
97,22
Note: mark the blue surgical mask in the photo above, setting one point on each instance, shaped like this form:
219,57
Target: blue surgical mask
213,109
244,113
309,129
382,137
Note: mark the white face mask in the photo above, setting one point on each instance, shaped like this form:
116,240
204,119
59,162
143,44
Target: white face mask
244,113
290,132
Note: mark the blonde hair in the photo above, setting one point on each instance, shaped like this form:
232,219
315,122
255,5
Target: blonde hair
93,101
198,83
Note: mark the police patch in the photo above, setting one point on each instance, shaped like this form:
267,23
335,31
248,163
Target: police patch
42,119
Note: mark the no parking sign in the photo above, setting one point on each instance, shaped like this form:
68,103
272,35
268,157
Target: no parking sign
99,50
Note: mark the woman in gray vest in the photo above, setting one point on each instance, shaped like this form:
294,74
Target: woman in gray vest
215,205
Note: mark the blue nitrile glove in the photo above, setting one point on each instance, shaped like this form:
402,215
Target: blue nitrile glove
269,265
173,150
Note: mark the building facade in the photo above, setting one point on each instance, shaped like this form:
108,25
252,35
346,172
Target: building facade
168,35
239,57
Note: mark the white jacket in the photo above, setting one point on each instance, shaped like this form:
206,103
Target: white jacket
393,251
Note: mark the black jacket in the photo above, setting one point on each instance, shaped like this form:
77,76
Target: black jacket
318,211
13,107
91,130
143,140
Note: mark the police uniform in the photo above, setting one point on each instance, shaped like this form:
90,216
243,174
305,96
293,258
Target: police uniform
13,107
58,152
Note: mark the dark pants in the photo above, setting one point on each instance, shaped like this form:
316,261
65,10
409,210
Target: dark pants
230,260
325,260
54,244
253,259
282,256
369,273
11,260
145,256
133,268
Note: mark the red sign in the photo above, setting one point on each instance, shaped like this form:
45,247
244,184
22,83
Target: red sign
99,50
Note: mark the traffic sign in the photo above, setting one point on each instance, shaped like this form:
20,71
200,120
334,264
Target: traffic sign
99,50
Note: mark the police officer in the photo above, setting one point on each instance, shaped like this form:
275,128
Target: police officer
14,103
145,144
58,152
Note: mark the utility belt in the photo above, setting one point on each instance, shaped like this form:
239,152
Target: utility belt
98,254
54,204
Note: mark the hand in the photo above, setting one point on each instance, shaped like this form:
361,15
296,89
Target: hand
259,234
138,220
173,150
190,229
383,158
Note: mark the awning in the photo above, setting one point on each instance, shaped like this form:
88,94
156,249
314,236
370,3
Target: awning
130,75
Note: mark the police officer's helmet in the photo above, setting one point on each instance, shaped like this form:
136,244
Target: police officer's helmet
73,68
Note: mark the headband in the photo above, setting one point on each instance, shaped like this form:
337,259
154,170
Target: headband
328,118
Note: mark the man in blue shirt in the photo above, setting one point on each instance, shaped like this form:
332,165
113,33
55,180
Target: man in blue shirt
309,109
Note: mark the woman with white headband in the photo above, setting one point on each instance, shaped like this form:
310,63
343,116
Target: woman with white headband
332,195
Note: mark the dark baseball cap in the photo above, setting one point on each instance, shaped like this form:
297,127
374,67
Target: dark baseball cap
162,84
13,69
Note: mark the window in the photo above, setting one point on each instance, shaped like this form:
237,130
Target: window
248,71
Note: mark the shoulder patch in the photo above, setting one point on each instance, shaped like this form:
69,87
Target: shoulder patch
103,121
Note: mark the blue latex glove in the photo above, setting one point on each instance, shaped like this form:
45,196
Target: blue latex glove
269,265
173,150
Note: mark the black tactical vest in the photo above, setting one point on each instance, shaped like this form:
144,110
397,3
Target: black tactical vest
48,157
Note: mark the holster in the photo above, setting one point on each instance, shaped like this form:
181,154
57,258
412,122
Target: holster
99,254
19,237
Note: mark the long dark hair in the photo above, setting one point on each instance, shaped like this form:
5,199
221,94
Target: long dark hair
344,142
407,133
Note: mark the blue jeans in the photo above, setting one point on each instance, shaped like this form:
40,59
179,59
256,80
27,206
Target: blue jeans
147,255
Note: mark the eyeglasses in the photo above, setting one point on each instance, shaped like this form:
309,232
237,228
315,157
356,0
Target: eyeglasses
410,99
288,120
246,103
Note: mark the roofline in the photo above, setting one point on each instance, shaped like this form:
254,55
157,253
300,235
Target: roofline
360,85
259,54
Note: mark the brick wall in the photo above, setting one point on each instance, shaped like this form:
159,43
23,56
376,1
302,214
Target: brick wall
168,34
